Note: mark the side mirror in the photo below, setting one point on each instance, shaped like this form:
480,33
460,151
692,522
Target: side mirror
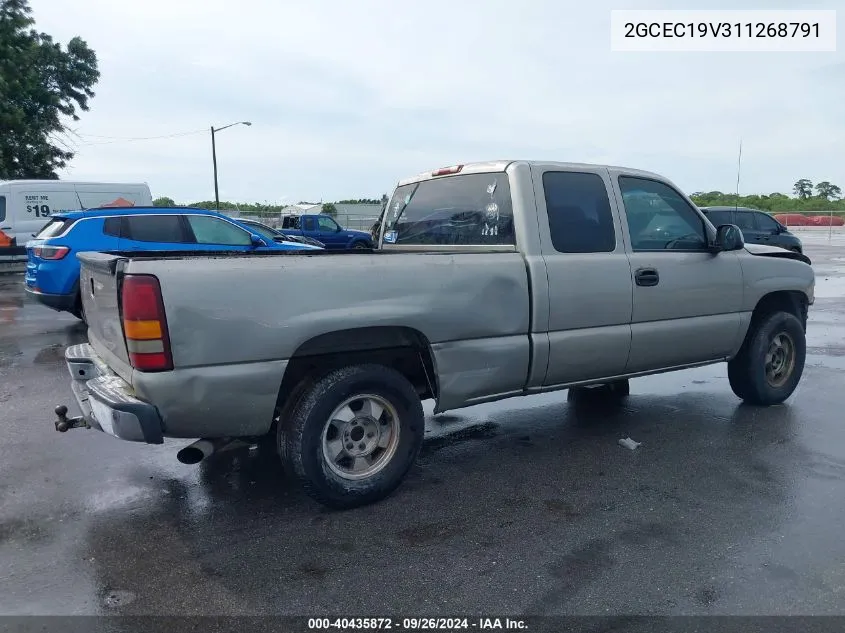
338,229
256,240
729,238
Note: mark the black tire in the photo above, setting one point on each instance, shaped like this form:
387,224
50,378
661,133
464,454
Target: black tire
747,372
301,435
607,393
79,310
360,245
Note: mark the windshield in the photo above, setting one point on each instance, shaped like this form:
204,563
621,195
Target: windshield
471,209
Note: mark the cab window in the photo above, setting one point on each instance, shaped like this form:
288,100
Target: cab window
470,209
327,224
659,218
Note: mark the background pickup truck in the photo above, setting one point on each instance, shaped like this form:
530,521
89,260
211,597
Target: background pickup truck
325,229
494,280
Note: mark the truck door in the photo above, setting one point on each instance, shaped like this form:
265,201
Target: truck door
590,303
329,232
687,300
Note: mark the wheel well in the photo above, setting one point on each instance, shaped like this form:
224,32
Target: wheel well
404,349
792,301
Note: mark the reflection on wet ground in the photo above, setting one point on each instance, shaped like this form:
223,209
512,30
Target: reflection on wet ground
528,506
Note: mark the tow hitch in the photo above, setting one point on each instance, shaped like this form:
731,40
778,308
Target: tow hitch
64,423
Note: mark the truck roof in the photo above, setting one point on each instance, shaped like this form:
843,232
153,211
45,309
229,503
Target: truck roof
502,165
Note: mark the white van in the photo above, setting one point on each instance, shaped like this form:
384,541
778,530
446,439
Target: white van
26,205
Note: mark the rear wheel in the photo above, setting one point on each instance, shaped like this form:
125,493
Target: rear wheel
79,309
771,361
353,435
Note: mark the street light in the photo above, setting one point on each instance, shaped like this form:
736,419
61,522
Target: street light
214,157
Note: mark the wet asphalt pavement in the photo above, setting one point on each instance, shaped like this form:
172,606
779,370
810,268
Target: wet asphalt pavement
528,506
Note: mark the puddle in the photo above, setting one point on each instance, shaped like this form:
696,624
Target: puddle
827,362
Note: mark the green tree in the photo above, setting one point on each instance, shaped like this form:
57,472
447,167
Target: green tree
828,191
329,209
164,201
803,189
42,86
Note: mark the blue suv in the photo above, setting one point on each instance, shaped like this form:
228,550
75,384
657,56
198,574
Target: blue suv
52,269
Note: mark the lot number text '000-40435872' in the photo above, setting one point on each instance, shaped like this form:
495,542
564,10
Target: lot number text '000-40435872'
416,624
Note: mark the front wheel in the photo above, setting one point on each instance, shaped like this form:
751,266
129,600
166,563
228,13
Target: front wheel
360,245
353,435
770,364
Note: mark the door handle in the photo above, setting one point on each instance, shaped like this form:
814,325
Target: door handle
647,277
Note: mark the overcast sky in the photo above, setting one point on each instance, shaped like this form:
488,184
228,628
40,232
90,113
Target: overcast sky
346,97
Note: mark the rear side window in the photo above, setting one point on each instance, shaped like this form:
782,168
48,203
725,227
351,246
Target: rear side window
473,209
155,228
54,227
580,219
111,226
208,230
2,208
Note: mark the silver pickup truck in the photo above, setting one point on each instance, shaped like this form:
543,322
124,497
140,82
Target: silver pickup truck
491,280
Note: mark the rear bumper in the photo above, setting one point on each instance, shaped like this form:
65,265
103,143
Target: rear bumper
108,402
62,303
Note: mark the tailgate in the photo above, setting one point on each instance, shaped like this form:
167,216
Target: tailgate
99,283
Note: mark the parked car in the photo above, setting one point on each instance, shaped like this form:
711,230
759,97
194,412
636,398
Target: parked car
26,204
276,235
52,270
552,280
325,229
758,227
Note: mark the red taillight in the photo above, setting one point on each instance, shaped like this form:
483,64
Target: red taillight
50,252
145,324
445,171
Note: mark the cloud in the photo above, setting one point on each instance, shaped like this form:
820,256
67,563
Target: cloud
346,98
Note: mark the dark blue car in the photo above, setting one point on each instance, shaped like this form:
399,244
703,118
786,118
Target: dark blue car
323,228
52,270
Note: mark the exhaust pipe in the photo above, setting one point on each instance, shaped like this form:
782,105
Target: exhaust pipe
199,450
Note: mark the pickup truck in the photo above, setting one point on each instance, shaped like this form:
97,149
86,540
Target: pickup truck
495,280
325,229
